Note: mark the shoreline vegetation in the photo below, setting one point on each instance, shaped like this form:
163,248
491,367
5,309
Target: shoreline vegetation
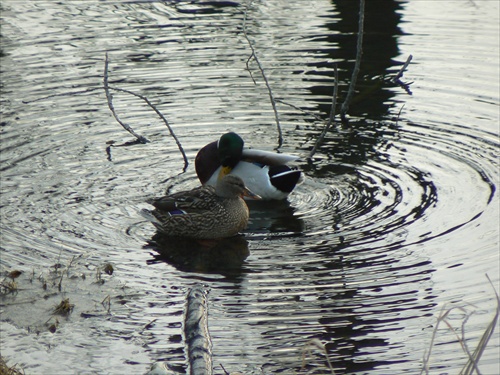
197,327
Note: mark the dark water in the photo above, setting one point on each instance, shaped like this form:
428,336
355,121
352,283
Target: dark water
397,216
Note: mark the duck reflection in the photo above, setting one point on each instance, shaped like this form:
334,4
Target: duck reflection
223,256
273,217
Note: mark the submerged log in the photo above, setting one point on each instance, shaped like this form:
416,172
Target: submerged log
199,345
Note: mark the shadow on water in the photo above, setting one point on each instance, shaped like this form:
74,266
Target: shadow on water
277,218
372,127
224,256
380,48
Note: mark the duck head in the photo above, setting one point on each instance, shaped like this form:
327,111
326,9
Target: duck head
231,186
229,151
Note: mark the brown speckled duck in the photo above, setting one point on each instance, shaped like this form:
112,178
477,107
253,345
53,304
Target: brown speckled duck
205,212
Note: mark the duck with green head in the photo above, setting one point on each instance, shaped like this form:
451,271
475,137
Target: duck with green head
263,172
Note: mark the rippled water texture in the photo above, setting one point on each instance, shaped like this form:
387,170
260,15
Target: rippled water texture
396,219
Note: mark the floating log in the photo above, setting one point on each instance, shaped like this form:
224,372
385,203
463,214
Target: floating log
197,337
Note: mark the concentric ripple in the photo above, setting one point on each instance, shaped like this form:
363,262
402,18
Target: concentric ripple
395,218
426,189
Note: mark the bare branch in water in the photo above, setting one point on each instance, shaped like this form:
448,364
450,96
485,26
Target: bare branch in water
397,77
355,72
402,70
151,105
271,96
248,67
332,114
197,336
300,109
109,97
181,149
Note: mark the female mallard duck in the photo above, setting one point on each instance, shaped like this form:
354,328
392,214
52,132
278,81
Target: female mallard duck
265,173
206,212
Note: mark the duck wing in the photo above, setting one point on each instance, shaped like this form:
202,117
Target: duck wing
267,157
207,162
196,200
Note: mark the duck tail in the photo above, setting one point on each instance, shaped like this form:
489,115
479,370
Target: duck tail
284,178
148,215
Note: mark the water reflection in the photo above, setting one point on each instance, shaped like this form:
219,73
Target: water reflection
274,217
380,48
224,256
204,7
356,313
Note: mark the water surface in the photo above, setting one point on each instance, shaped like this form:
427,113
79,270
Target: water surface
397,216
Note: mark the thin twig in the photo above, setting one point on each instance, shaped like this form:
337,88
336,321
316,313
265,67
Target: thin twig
106,87
247,64
271,97
300,109
332,114
86,91
223,369
181,149
399,114
355,72
397,77
109,97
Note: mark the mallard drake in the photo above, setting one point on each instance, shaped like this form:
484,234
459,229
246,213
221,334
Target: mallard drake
265,173
205,212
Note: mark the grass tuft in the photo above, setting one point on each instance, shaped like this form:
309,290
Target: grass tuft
6,370
472,365
64,308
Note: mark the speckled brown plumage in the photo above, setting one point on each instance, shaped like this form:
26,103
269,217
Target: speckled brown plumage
205,212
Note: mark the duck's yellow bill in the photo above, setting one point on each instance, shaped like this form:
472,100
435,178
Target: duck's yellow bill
224,171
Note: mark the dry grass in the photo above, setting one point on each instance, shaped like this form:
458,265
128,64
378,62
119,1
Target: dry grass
64,308
8,287
473,357
316,344
6,370
472,365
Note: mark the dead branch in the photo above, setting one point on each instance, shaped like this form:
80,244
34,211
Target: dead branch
355,72
262,72
109,97
151,105
397,78
332,114
197,336
179,145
